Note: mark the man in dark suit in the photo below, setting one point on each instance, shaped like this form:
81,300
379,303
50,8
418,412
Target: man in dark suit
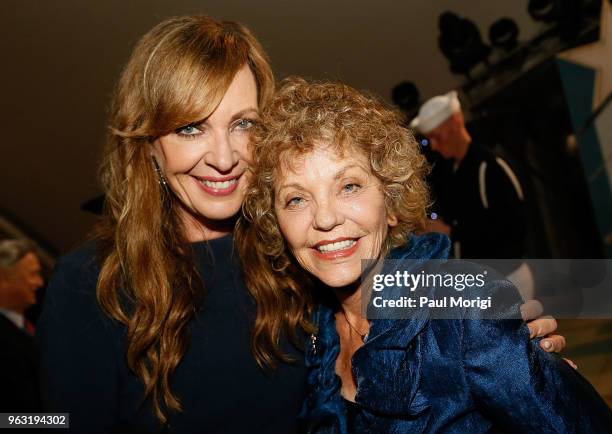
20,278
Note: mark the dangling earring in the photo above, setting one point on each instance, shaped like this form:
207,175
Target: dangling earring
160,176
163,184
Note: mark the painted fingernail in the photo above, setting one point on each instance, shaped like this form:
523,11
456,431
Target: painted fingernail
571,363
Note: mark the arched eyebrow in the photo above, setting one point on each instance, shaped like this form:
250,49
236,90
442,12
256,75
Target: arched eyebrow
345,169
290,185
252,111
337,176
247,111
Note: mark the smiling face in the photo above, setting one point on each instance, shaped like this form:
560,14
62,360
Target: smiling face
205,163
331,211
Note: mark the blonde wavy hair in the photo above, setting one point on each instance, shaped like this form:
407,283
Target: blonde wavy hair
302,115
177,74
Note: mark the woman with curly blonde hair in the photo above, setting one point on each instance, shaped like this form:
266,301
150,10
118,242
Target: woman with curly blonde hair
338,180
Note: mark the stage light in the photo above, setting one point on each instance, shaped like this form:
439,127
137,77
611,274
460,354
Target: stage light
542,10
568,15
503,33
406,96
461,43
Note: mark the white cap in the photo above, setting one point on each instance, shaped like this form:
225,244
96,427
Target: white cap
435,111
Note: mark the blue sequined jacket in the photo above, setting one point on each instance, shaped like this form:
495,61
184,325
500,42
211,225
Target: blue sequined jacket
455,376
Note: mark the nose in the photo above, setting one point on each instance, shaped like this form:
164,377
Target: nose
37,282
327,216
221,155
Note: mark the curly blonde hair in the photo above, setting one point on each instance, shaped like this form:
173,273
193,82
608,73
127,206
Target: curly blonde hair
302,115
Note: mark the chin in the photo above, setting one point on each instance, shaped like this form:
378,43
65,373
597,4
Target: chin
336,279
220,212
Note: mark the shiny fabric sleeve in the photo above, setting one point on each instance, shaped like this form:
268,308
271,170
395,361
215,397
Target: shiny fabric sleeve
521,388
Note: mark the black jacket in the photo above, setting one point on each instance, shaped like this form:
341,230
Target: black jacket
482,201
18,370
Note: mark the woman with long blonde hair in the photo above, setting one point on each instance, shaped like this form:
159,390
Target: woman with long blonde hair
150,325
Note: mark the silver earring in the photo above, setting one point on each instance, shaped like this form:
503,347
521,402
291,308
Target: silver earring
160,176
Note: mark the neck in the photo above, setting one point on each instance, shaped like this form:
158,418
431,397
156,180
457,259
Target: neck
350,302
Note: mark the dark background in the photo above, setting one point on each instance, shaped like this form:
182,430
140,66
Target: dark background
60,59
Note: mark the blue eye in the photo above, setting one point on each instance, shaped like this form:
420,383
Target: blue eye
243,124
350,188
188,130
295,201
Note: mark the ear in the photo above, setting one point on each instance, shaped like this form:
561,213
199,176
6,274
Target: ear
458,119
155,150
392,220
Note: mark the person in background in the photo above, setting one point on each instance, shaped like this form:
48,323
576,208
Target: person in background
479,197
482,199
20,278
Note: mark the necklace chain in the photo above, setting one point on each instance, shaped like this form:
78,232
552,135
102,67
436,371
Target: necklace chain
361,335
